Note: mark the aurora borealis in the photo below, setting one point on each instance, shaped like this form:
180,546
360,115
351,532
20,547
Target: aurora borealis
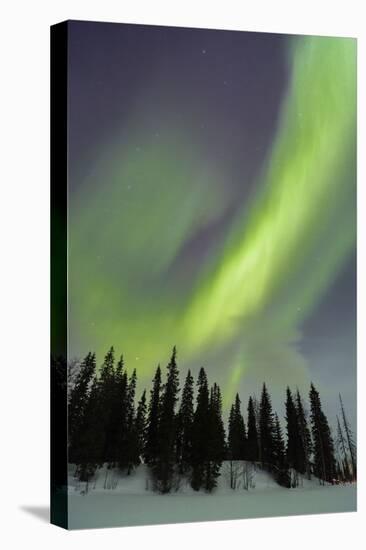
212,203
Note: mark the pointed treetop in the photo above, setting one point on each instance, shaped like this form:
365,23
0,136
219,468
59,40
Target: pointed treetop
120,365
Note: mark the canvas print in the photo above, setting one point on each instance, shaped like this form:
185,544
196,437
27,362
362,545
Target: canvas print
203,274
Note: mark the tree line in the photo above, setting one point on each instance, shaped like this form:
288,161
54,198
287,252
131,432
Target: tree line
184,437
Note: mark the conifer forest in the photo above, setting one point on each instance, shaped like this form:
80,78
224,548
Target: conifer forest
180,434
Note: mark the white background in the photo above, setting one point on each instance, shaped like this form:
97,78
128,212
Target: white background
24,273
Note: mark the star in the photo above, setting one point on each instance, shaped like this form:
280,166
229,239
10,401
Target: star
203,51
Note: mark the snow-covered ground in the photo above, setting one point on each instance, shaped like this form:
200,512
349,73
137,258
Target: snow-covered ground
127,500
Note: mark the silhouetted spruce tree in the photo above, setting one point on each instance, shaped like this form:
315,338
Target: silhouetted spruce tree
343,467
350,440
200,432
294,443
106,397
237,437
138,435
152,443
230,437
282,474
184,423
231,449
115,396
165,464
304,465
266,427
216,441
107,369
256,407
252,451
324,460
77,404
92,435
114,390
130,434
121,415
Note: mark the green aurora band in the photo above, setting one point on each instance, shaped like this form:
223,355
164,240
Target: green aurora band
242,308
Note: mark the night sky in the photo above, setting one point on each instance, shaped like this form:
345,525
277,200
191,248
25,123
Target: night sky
212,202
